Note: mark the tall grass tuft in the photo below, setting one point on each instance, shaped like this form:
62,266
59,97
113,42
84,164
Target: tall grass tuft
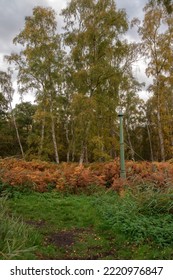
142,215
14,235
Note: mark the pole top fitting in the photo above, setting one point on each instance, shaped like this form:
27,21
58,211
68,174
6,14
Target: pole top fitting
120,114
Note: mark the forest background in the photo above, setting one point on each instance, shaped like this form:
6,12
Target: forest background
82,77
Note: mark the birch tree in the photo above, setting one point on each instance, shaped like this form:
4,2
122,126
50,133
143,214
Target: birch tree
93,31
8,91
157,38
40,64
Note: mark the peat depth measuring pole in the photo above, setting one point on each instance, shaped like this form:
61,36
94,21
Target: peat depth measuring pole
122,158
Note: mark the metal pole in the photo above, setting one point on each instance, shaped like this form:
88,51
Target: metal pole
122,158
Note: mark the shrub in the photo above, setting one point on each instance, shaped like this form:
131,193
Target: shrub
39,176
143,217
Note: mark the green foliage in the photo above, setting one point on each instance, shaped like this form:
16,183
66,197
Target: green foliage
167,3
98,226
157,47
3,106
79,93
15,237
9,191
93,31
40,67
142,217
24,113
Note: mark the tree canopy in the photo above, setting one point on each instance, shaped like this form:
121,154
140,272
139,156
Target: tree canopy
82,77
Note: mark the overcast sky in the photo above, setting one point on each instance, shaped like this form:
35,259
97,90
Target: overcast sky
13,14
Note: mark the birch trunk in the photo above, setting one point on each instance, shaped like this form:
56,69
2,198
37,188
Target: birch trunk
42,137
129,141
149,137
53,134
68,141
17,132
84,153
160,130
81,160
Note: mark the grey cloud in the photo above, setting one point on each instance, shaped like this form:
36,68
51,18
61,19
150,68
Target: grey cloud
134,8
12,18
13,14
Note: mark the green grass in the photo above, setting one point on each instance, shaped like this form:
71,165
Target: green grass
97,226
65,215
143,218
142,222
16,239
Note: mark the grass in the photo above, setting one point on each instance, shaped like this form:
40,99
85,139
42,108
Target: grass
98,226
144,220
146,217
15,236
57,216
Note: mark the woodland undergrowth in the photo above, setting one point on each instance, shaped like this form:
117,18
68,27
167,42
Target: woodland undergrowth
72,177
137,211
